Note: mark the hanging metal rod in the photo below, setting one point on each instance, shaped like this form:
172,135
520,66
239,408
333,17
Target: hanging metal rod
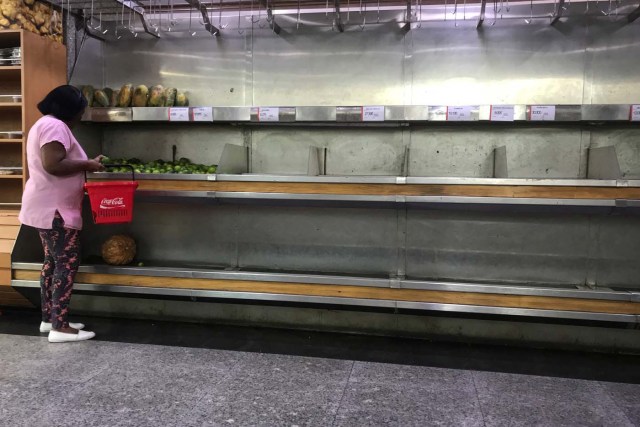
557,14
199,6
338,21
270,18
634,15
483,8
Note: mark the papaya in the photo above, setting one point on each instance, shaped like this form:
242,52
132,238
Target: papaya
87,92
182,100
125,96
100,99
140,96
108,91
113,99
156,96
170,95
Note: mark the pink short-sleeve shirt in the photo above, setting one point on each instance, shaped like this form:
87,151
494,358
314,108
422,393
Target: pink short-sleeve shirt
44,194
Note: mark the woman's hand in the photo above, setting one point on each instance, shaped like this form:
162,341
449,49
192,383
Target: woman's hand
94,165
99,158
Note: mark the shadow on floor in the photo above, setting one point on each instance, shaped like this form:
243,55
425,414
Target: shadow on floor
555,363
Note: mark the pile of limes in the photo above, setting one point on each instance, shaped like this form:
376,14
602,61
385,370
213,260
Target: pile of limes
182,166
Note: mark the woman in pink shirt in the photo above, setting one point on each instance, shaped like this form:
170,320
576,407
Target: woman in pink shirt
52,203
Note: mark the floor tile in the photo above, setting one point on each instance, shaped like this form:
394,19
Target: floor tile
68,417
522,400
268,390
424,377
367,404
275,368
627,398
22,398
117,391
74,362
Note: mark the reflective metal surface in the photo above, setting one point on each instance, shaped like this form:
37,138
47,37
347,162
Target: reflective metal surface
353,114
489,288
256,296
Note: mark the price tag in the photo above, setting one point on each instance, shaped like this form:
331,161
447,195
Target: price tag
268,114
635,113
180,114
459,113
502,113
373,113
202,114
542,113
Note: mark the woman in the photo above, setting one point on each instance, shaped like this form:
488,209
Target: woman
52,203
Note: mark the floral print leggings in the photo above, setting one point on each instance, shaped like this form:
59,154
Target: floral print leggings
61,261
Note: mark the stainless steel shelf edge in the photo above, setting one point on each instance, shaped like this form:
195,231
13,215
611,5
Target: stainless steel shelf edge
257,296
453,308
510,201
364,199
488,288
223,275
309,179
559,314
606,112
311,197
360,179
352,114
531,290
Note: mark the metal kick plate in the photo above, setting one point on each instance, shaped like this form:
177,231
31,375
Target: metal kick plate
109,115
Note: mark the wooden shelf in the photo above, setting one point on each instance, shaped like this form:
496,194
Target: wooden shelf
11,141
10,67
538,192
11,104
14,176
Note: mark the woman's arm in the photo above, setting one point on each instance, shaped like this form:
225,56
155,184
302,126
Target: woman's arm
54,161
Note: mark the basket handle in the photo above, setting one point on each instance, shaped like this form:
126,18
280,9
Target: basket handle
113,165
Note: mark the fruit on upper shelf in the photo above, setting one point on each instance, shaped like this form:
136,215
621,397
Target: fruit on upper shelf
141,96
181,166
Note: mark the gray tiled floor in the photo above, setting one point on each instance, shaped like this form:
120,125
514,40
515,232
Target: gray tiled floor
115,384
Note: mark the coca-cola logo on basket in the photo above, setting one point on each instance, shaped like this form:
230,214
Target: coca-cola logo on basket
115,203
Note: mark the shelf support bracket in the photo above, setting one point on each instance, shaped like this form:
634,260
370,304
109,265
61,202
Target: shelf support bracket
409,18
271,20
557,14
338,19
196,4
483,8
91,33
635,14
138,9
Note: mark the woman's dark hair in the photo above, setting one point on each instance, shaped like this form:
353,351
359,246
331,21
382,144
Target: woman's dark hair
64,103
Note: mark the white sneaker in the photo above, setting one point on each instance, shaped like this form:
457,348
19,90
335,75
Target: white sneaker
55,336
46,326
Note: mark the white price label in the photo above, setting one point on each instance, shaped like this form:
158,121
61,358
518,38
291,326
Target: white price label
635,113
459,113
542,113
202,114
268,114
180,114
502,113
373,113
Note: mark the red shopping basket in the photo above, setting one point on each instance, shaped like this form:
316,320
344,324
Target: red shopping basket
112,201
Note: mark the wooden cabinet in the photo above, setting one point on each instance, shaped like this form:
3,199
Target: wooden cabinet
43,67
